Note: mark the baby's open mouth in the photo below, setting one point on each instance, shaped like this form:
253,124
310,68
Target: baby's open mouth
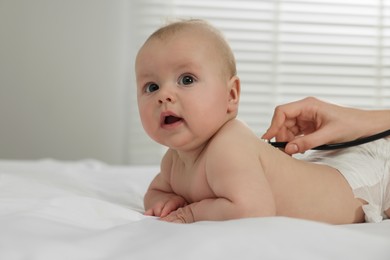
171,120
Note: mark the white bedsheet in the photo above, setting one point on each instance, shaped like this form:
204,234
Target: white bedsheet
88,210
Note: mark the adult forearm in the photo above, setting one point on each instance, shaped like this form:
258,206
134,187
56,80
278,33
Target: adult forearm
373,122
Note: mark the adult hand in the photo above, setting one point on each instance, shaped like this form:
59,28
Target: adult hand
310,122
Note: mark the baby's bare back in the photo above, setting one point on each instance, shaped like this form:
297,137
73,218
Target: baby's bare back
308,190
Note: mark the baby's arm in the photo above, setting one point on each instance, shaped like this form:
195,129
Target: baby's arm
236,176
159,199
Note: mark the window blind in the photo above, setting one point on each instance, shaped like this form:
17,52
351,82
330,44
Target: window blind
337,50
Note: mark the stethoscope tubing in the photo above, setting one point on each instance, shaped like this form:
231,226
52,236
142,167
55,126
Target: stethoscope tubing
335,146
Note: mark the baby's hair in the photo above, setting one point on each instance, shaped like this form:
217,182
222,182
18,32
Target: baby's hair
227,56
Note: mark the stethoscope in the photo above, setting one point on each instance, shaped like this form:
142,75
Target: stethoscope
340,145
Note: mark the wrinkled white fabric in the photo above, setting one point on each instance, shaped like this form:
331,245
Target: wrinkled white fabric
367,169
88,210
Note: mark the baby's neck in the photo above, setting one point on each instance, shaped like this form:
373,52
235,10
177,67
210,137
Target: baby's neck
191,157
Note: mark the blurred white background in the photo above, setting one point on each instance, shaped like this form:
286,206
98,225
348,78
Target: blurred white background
66,66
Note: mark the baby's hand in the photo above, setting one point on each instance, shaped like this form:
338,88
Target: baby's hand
163,208
181,215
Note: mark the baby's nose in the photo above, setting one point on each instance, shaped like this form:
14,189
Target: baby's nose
166,95
165,100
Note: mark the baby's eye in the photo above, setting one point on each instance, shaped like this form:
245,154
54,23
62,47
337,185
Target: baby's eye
151,87
186,80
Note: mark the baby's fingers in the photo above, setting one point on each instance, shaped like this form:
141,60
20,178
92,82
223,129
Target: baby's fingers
168,218
149,212
181,215
155,210
170,206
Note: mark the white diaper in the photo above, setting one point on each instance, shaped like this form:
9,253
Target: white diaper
367,169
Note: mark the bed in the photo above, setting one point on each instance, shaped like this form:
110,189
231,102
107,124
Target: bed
52,209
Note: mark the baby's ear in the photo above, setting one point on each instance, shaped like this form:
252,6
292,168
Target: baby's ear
234,94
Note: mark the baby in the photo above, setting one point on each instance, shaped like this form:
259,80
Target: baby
216,168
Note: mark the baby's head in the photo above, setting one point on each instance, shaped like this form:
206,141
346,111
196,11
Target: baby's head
216,41
186,79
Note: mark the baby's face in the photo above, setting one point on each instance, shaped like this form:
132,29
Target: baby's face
182,90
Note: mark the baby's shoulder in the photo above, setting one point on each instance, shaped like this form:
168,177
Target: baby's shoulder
236,129
233,135
234,145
